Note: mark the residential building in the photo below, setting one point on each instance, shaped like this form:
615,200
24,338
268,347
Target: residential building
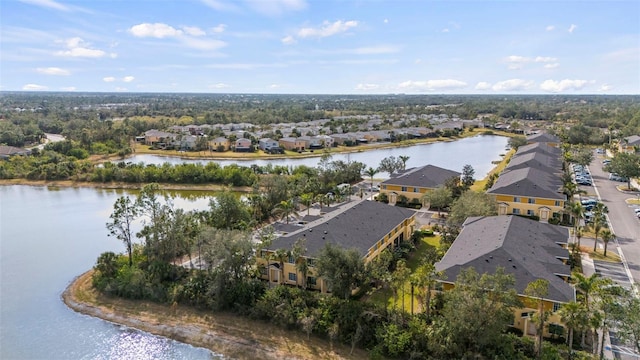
367,226
219,144
527,249
415,182
9,151
544,137
243,145
157,137
265,144
291,143
344,139
529,191
311,142
629,144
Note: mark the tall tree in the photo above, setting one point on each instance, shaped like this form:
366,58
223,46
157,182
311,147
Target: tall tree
390,164
404,159
438,198
625,165
599,221
371,172
123,215
516,141
607,235
344,270
538,290
284,209
467,177
471,203
307,199
574,316
228,211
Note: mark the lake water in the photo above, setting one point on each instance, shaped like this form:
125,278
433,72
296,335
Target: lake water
477,151
48,236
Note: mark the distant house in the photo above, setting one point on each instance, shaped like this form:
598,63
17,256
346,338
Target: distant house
368,226
344,139
630,145
265,144
156,137
326,141
186,142
291,143
415,182
527,249
9,151
219,144
311,142
243,145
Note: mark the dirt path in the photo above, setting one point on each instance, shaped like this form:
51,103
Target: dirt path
231,335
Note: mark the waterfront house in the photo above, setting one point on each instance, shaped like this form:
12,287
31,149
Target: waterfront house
544,137
527,249
291,143
367,226
265,144
243,145
219,144
415,182
158,138
9,151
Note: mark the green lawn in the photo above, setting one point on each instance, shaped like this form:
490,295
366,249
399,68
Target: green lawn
384,297
478,185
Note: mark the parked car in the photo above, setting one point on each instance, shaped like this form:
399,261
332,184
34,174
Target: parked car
584,182
606,161
589,201
599,151
616,177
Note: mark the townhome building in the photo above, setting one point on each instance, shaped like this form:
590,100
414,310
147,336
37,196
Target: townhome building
526,249
415,182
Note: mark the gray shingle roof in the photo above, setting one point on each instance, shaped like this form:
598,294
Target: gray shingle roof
538,160
529,182
540,147
633,140
525,248
359,227
543,137
429,176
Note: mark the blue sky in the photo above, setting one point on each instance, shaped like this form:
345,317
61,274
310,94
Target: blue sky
321,46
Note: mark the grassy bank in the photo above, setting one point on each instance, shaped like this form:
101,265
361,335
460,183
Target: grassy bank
227,334
119,185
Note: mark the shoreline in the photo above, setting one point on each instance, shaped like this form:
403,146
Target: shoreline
226,334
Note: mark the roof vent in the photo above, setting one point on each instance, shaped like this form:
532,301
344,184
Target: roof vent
323,238
514,266
509,259
325,231
490,256
487,260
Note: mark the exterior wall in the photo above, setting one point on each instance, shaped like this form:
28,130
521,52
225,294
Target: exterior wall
521,322
411,192
292,145
402,231
213,145
537,206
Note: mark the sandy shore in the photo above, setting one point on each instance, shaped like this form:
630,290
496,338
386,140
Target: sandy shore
231,335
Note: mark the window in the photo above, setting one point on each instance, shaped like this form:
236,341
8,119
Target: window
516,211
516,199
291,260
384,187
415,190
530,212
404,188
531,201
557,202
556,306
311,281
310,262
293,277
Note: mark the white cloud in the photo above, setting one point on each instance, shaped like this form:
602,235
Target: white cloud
34,87
219,86
386,21
482,85
188,35
48,4
274,86
367,87
327,29
220,5
276,7
76,47
128,78
68,88
445,30
113,55
288,40
109,79
605,87
551,65
219,29
156,30
572,28
562,85
53,71
515,62
550,28
193,31
513,85
446,84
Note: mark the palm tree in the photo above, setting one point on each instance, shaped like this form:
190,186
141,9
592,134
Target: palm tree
281,255
297,252
607,235
579,233
320,200
576,211
574,315
285,208
306,199
371,172
599,221
587,286
404,159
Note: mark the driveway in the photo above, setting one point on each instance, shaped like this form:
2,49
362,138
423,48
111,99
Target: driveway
621,217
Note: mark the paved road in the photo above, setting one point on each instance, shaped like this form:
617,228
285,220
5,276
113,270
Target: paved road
623,221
